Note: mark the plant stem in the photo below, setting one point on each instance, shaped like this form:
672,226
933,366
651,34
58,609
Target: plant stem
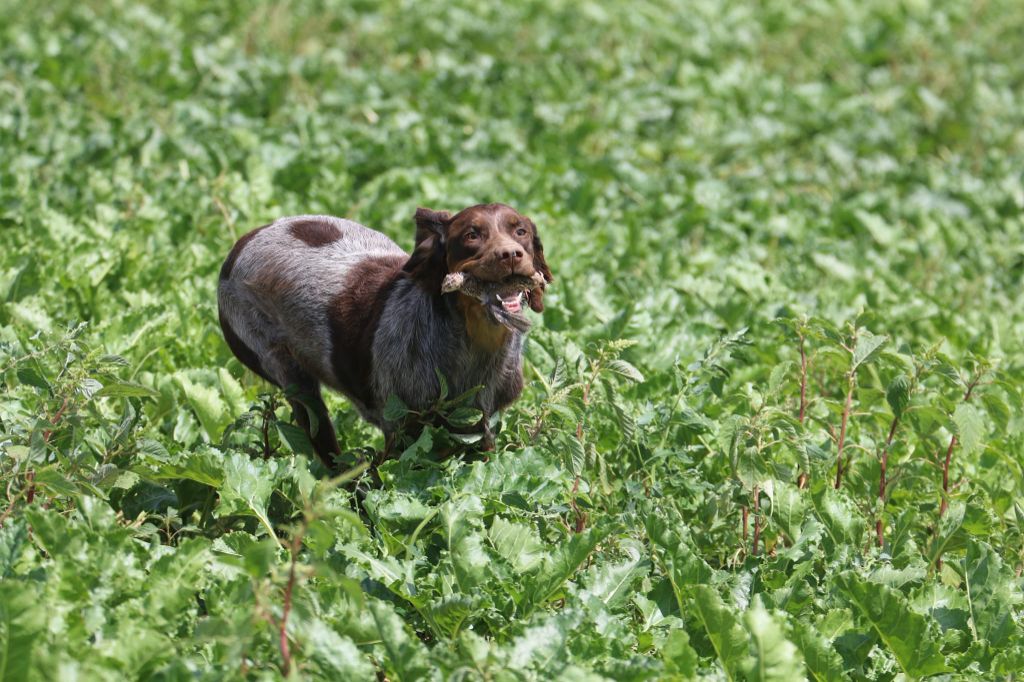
944,504
883,466
851,382
801,480
54,419
267,414
286,654
757,523
581,519
803,380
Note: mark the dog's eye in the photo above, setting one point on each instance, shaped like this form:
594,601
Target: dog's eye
521,232
472,236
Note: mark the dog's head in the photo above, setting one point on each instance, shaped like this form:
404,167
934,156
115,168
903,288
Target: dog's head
491,242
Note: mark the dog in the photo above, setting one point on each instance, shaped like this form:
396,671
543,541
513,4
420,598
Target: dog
310,301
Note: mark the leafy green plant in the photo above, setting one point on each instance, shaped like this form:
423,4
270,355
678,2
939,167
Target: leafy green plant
772,424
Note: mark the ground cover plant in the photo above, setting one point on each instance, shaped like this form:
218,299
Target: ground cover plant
772,427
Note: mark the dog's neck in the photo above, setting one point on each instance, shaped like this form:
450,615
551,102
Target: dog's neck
465,346
483,334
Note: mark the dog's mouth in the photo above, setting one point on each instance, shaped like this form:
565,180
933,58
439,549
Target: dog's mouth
511,303
502,300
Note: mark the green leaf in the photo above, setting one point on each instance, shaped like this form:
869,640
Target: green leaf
1009,662
559,567
54,482
246,489
683,562
823,662
678,655
295,438
13,537
574,455
904,632
728,637
898,394
404,656
462,417
462,523
23,618
204,466
970,428
234,394
845,525
31,375
335,655
868,347
517,543
625,369
450,613
395,409
997,410
882,232
991,591
610,582
948,533
778,376
126,389
442,383
773,656
207,404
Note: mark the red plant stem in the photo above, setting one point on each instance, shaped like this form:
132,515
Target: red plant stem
944,504
757,520
842,430
286,653
30,475
267,414
883,466
54,419
801,480
803,381
581,519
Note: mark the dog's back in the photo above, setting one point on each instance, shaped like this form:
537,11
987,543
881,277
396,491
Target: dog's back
280,284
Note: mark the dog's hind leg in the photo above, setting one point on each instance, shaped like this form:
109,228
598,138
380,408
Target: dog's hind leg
308,408
321,434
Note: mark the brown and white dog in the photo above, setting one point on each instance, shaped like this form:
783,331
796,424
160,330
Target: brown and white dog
312,300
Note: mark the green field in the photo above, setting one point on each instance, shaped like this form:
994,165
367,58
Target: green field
773,423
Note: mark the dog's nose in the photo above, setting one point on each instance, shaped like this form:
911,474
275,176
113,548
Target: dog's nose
514,254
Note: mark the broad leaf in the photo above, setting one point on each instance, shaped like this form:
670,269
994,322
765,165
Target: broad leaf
904,632
728,637
773,657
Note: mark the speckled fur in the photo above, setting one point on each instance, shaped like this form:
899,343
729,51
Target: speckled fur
276,296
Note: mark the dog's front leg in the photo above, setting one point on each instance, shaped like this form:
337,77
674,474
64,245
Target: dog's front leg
487,442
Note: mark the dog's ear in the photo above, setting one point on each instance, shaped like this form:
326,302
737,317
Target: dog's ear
431,223
427,262
541,266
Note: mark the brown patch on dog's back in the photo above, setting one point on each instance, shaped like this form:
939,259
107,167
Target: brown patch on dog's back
236,251
353,316
483,334
315,233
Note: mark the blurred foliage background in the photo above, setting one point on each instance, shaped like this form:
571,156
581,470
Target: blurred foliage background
742,202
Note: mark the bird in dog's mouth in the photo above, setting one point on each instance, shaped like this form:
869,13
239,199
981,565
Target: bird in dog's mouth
502,300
